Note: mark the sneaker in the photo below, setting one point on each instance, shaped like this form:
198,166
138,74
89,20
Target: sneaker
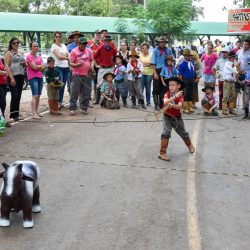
7,125
72,112
148,104
84,112
19,118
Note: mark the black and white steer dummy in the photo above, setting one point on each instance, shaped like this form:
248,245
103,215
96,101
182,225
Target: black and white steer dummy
20,191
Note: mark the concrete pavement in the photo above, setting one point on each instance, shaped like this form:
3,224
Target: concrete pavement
104,188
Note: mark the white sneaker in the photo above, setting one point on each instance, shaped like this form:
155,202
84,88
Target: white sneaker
72,112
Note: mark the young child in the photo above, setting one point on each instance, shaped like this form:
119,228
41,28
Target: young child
53,86
120,80
172,118
134,70
247,94
210,101
167,72
229,76
108,92
187,74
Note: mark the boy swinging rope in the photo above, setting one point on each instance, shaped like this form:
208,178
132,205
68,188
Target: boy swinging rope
172,118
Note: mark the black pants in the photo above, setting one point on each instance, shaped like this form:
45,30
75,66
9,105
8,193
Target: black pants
158,88
16,93
157,85
188,92
3,92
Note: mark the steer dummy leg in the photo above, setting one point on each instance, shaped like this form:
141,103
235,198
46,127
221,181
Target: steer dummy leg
27,206
36,207
5,214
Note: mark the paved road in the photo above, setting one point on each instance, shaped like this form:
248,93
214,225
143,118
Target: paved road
103,187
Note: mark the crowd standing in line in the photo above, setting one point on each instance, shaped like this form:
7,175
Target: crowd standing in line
81,62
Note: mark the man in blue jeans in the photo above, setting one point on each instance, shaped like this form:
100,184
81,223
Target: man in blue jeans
81,60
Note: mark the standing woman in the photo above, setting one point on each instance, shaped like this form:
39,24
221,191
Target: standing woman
147,73
60,54
14,64
35,68
3,89
132,47
124,52
209,59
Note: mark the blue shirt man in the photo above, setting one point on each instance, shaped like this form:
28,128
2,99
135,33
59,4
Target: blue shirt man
159,55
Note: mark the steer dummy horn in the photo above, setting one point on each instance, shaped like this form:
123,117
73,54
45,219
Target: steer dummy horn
5,165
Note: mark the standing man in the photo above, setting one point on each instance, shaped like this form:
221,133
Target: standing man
158,62
104,61
81,61
68,40
75,35
201,49
218,68
94,45
243,59
237,47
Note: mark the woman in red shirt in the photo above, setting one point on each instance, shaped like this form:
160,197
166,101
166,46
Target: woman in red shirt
3,88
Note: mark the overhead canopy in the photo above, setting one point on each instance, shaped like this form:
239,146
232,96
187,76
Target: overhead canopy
209,28
20,22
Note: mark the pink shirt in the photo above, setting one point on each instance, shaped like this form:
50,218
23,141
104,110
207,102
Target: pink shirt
31,73
209,61
84,56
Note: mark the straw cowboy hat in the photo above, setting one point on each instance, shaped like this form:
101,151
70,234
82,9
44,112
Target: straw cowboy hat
76,33
57,84
134,54
107,74
187,52
162,39
169,57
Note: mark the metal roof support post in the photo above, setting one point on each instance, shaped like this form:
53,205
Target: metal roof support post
39,39
200,38
118,40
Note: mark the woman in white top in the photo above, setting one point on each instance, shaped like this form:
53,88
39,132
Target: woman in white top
60,54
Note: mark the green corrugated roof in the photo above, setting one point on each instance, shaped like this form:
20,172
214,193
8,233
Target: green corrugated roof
63,23
88,24
209,28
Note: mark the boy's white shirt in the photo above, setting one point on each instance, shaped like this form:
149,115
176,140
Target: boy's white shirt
229,72
129,67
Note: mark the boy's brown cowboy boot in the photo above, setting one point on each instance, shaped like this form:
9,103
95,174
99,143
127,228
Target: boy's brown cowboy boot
224,108
51,106
56,107
185,108
189,144
164,145
190,107
231,108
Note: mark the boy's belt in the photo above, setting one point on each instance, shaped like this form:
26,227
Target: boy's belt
105,67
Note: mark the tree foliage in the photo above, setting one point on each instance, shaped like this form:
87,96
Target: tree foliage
242,3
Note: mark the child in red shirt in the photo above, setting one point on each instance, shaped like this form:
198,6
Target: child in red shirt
172,118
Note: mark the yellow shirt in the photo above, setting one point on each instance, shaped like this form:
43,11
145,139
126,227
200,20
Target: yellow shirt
148,70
